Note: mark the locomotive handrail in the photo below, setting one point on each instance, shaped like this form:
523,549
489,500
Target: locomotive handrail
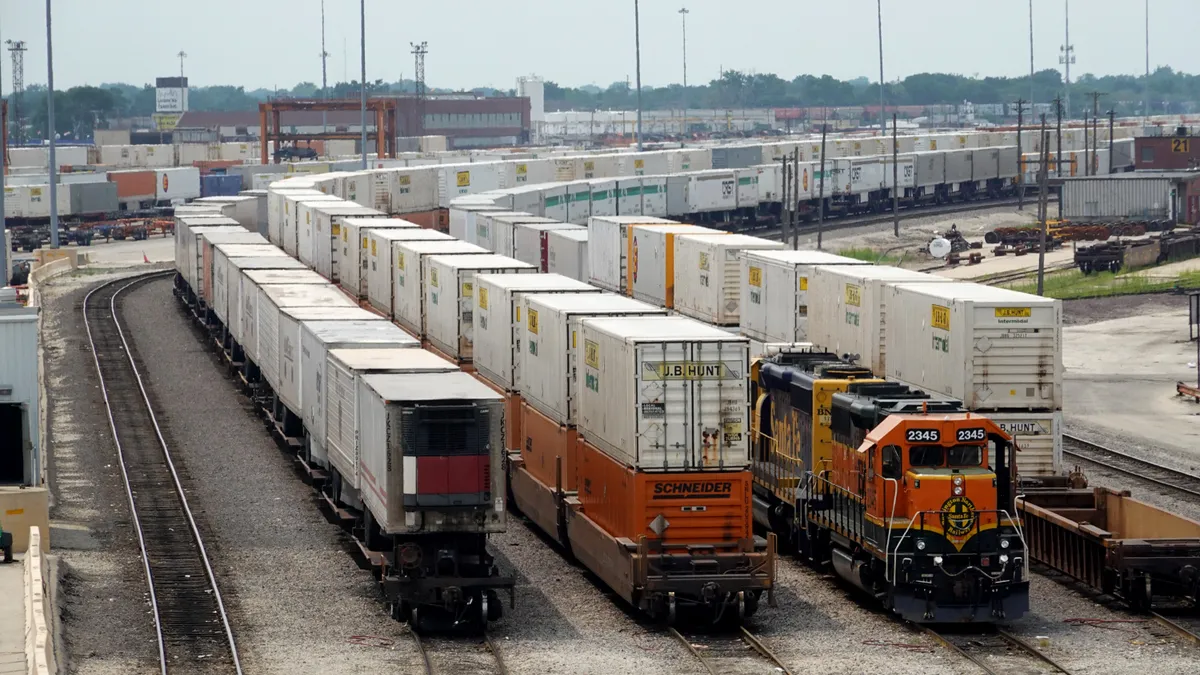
887,559
1016,525
978,525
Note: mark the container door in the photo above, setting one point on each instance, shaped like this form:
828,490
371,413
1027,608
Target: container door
665,438
718,407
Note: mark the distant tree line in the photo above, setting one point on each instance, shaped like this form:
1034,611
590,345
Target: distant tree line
79,110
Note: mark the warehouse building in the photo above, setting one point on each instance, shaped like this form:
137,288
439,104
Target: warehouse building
1167,153
466,120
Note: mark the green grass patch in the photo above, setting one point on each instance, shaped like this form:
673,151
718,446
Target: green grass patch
870,255
1075,284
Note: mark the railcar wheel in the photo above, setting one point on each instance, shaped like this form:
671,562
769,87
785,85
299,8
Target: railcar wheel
671,608
741,603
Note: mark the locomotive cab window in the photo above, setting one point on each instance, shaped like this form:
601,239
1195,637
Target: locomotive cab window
892,465
965,455
925,455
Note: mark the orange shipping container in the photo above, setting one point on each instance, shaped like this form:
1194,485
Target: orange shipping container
134,184
545,441
437,219
698,507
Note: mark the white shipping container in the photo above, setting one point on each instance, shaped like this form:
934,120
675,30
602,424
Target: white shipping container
297,218
411,190
651,262
567,253
654,196
463,218
409,308
550,331
579,202
279,207
496,232
327,236
775,292
708,275
449,282
665,393
228,263
354,247
603,198
712,191
189,251
992,348
204,273
530,243
554,201
380,262
608,244
262,346
1039,435
848,309
317,338
498,322
177,185
343,369
456,180
387,418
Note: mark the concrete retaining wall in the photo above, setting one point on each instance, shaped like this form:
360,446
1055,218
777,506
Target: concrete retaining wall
39,610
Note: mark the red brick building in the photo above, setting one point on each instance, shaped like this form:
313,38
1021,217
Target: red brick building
1166,153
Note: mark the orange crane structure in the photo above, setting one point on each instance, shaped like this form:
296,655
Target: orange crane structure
384,111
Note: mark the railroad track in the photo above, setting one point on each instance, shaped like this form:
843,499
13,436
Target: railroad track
830,225
997,651
191,623
1127,464
447,656
1185,625
740,652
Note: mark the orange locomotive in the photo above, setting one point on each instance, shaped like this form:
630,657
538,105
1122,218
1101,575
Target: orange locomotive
907,496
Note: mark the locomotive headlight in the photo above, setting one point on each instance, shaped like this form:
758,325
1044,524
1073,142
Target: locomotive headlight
1004,543
958,490
937,560
1003,559
920,544
957,480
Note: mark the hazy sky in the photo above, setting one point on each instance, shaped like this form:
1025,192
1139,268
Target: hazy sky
265,43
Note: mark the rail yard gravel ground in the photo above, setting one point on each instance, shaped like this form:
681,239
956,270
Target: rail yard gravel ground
105,620
299,598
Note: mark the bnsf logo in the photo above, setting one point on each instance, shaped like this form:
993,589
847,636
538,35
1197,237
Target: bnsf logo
693,489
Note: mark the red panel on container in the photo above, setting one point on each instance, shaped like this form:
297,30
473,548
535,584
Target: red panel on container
545,251
432,476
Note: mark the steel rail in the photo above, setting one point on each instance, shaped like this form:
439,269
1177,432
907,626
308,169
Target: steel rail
131,494
1133,465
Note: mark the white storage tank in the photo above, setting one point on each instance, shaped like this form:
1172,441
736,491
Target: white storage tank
993,348
343,369
450,298
549,368
708,275
848,310
650,265
608,244
304,380
499,323
567,253
409,307
395,411
775,292
665,393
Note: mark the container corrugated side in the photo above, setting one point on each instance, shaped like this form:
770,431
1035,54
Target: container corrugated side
325,245
608,247
708,275
1039,435
381,263
548,376
498,320
408,293
230,265
847,312
273,298
530,243
650,268
775,292
386,469
993,348
355,248
567,253
665,394
1117,198
341,402
449,282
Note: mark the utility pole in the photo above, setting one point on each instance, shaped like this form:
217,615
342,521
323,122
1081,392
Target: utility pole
895,179
683,12
324,73
1020,157
637,45
1095,140
1058,114
17,48
1066,56
182,55
821,196
1031,96
1146,106
879,15
362,89
419,51
795,198
1111,118
53,168
785,210
1044,155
